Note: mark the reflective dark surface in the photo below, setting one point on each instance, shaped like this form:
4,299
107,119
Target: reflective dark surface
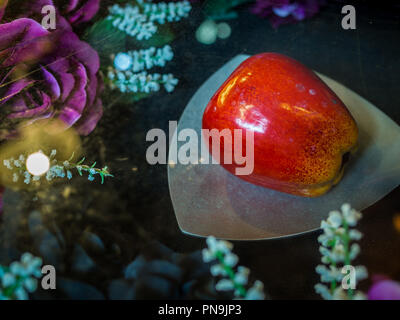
134,209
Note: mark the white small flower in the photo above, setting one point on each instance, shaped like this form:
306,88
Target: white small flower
218,270
208,256
231,259
352,216
30,284
122,61
325,251
338,252
27,176
224,285
17,269
8,280
21,294
211,243
335,219
361,273
324,239
354,251
325,259
7,164
325,273
340,231
256,292
355,234
242,275
169,82
323,291
17,163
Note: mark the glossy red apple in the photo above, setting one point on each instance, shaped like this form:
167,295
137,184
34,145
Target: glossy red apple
303,133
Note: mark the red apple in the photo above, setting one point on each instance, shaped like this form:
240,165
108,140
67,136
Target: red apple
303,133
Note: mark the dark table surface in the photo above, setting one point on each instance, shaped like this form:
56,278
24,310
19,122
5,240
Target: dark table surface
137,201
367,60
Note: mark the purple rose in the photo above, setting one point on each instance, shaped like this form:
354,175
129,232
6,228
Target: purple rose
384,289
33,10
47,75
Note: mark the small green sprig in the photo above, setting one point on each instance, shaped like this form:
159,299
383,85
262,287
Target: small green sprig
58,169
80,167
20,278
337,251
226,261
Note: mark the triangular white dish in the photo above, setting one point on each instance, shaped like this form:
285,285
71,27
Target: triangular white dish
208,200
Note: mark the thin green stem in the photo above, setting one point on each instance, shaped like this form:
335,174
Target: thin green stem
231,274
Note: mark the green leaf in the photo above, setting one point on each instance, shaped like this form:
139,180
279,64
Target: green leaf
83,159
72,156
222,9
105,38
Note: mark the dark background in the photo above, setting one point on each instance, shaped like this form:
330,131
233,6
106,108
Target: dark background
134,208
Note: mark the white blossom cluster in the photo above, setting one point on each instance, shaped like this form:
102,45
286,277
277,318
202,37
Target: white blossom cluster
166,12
139,21
139,60
337,251
19,279
141,82
19,168
126,75
220,251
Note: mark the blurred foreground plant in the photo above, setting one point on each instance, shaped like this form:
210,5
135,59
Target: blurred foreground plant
235,280
19,278
139,21
338,251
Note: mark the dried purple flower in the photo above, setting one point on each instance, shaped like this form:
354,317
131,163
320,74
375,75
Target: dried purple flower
47,75
384,289
286,11
78,11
